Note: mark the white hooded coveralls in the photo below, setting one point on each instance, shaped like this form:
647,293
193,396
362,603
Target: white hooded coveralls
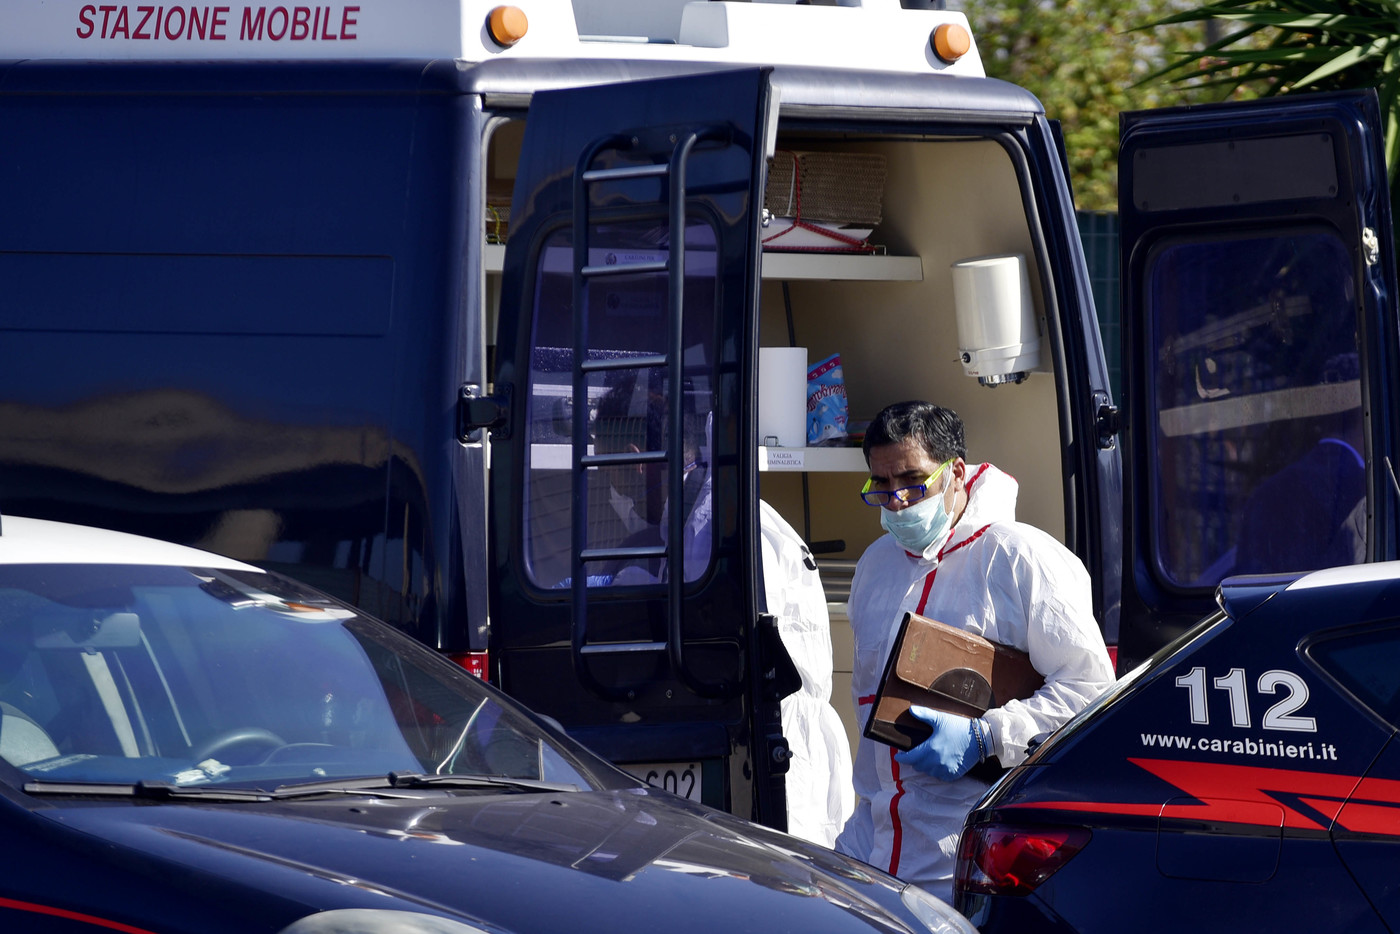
818,781
1008,582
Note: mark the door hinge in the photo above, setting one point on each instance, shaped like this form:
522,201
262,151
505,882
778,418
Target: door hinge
780,674
1106,422
1371,246
476,410
779,754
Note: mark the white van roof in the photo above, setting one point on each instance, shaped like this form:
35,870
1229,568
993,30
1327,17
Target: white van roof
870,35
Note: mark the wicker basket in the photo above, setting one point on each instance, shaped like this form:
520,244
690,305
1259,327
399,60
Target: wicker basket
826,187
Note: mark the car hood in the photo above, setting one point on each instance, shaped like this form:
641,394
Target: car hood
513,862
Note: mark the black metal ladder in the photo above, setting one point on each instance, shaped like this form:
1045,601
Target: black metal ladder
670,362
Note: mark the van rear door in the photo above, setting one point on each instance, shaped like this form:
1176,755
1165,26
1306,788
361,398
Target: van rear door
1259,333
623,584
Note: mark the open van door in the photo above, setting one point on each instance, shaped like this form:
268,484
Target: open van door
622,481
1259,293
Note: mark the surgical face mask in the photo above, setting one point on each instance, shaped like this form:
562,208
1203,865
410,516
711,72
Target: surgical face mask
918,526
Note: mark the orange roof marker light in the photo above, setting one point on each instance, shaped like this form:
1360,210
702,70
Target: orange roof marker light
950,42
507,25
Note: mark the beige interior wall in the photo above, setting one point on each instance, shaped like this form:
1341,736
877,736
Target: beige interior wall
504,138
944,201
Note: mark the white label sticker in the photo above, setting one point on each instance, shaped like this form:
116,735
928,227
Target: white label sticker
785,458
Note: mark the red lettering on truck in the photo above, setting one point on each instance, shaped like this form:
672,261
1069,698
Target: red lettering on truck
298,24
148,22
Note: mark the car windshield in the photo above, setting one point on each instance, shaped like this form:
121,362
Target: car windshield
187,677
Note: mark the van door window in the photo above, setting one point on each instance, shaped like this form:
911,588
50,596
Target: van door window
627,316
1256,404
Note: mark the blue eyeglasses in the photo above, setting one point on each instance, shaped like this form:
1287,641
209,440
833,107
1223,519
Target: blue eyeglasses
905,494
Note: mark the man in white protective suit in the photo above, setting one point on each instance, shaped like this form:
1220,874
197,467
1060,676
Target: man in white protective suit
954,552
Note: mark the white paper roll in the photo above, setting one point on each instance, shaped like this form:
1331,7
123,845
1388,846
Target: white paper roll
782,396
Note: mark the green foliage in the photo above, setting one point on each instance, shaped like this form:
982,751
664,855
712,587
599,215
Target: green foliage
1087,60
1277,46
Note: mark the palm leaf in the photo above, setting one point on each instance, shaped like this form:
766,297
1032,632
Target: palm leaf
1345,60
1181,61
1313,22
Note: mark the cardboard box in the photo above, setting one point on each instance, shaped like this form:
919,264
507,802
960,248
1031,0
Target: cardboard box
939,666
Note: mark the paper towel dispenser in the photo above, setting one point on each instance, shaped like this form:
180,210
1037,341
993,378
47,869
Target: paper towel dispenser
998,340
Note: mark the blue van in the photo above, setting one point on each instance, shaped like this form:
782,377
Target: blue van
437,305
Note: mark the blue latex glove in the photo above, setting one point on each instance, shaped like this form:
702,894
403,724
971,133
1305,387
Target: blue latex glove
957,744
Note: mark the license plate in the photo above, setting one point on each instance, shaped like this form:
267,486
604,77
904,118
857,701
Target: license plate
680,778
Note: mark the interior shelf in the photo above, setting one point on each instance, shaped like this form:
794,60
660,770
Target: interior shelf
842,266
812,460
830,266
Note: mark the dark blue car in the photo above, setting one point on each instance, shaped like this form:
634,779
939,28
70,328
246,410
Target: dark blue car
189,744
1245,778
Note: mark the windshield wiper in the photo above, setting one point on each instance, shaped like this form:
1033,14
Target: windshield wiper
393,785
422,779
410,780
146,789
365,787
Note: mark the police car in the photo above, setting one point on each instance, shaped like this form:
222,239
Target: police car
190,744
1244,778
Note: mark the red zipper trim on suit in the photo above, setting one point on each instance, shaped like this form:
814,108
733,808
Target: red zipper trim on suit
894,814
948,551
975,477
895,822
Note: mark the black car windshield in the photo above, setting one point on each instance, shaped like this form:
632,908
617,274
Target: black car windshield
191,677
